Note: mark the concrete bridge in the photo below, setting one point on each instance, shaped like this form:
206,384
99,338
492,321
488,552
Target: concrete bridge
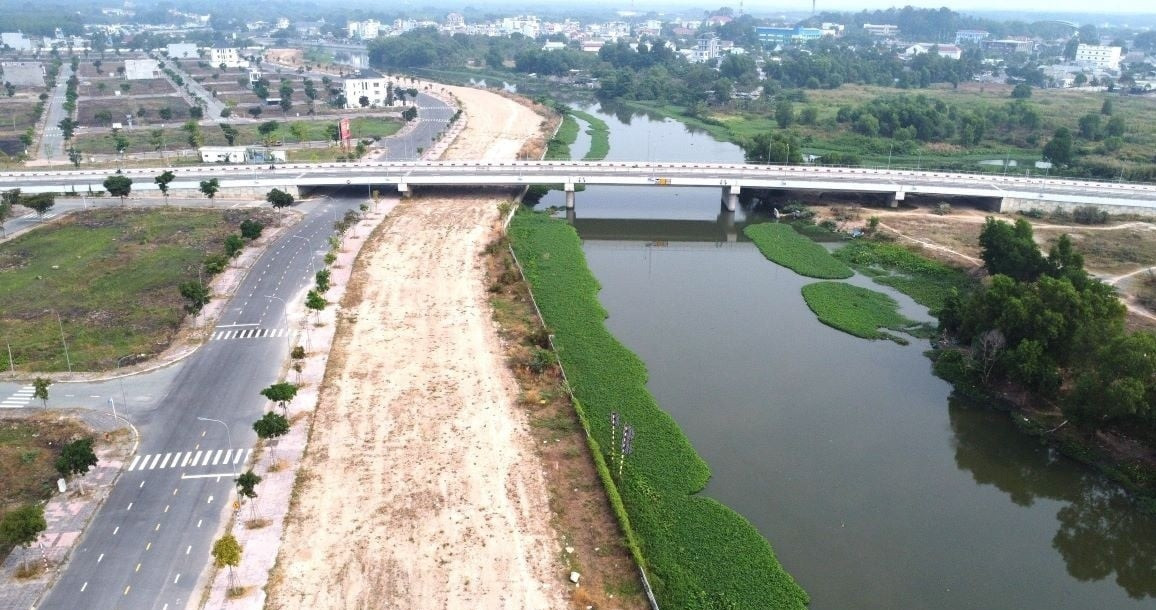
1000,193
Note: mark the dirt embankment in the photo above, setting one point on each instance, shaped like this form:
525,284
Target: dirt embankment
420,486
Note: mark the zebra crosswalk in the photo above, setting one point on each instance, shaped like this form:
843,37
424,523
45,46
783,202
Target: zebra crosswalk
248,333
18,399
189,459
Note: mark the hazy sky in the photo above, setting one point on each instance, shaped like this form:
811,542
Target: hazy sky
963,6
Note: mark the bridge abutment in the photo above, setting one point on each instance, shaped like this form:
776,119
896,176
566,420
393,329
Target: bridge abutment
571,196
895,199
730,197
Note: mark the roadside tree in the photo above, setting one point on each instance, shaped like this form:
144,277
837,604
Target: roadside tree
227,552
163,180
40,389
196,296
315,302
39,203
279,198
210,187
76,458
271,425
23,526
247,488
281,393
118,186
75,156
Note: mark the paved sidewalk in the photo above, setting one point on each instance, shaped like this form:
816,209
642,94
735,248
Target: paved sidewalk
67,515
262,545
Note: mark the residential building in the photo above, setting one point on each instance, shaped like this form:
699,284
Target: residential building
375,90
971,36
182,50
364,30
881,30
706,48
592,46
140,69
1009,46
553,46
943,50
228,56
1097,56
23,73
16,41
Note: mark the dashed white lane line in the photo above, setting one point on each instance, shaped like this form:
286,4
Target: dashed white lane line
114,531
189,550
84,586
99,559
176,579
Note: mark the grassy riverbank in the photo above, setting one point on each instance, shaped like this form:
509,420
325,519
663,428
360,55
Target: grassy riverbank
782,245
926,281
856,310
558,148
698,553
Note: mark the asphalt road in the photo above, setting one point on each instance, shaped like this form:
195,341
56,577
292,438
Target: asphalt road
149,544
52,140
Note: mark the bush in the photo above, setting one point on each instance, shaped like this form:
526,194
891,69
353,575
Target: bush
942,208
215,263
234,244
1089,215
251,229
297,353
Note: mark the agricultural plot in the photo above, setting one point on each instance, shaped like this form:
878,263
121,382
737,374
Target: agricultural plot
17,115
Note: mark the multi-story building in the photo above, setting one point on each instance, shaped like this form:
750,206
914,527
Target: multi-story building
364,30
771,36
230,57
943,50
706,48
16,41
375,90
882,30
1097,56
971,36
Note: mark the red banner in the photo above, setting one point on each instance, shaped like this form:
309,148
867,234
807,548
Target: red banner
344,127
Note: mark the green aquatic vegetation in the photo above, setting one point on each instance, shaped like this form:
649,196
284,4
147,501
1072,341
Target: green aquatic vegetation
857,311
926,281
599,136
697,552
782,245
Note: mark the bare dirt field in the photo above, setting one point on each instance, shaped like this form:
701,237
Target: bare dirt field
420,487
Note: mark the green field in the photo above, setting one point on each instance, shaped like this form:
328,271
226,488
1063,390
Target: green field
926,281
111,275
697,552
856,310
782,245
176,138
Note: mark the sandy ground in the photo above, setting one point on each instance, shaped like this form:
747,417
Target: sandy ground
422,487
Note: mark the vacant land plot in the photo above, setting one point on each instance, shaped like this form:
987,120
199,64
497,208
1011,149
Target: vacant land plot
107,87
108,279
1108,250
28,449
17,114
101,112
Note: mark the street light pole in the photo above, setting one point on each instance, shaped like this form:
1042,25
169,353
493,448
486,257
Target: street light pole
284,316
232,462
67,358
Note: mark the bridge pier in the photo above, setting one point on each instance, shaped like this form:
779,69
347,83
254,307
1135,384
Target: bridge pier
571,196
730,197
894,202
405,190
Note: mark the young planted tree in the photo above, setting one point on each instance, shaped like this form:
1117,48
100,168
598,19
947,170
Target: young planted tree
227,552
40,389
315,302
271,425
22,526
322,278
76,458
39,203
247,488
163,181
75,156
210,187
281,393
118,186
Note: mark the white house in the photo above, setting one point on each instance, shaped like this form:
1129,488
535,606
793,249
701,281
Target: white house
943,50
1096,56
553,46
373,89
228,56
364,30
16,41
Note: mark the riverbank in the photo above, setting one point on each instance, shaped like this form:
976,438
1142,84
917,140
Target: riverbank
659,482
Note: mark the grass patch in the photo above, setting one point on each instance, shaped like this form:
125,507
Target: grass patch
111,275
856,311
926,281
782,245
599,136
698,552
558,148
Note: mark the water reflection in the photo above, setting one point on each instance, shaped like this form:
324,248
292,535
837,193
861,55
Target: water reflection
1101,531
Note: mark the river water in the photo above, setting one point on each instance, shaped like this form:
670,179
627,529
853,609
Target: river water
874,486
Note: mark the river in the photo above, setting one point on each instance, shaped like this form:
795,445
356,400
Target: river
875,488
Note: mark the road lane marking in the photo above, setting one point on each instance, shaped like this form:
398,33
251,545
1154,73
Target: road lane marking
196,458
210,501
148,546
84,586
218,476
176,579
199,521
237,458
176,458
188,454
127,588
137,568
227,456
129,506
188,550
134,461
157,528
208,455
153,464
166,460
114,531
167,507
217,457
175,490
99,559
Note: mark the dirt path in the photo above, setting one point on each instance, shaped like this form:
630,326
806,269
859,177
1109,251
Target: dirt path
420,487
